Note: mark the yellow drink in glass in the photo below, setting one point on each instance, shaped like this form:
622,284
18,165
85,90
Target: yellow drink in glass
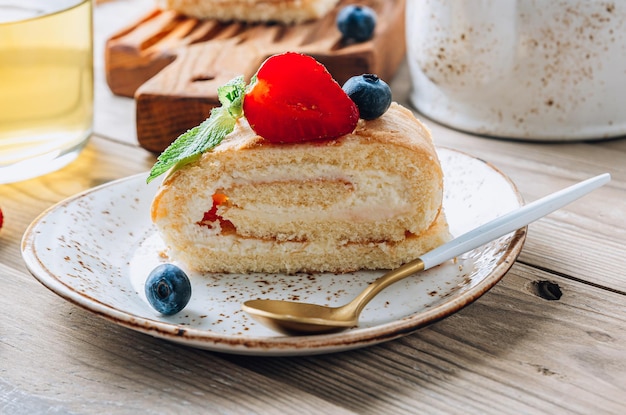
46,85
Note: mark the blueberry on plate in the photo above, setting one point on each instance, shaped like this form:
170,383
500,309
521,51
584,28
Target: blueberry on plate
356,22
168,289
370,93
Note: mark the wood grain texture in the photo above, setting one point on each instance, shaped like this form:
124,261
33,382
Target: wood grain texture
536,356
510,352
141,49
120,371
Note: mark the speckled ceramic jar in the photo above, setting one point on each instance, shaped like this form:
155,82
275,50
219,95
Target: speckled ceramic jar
525,69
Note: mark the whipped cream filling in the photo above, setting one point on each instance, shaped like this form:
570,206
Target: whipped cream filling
291,202
368,195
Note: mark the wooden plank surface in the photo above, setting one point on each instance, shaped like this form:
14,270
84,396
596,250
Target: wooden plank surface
556,358
512,351
142,49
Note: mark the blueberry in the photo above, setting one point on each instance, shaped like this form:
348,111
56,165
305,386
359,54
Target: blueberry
370,93
168,289
356,22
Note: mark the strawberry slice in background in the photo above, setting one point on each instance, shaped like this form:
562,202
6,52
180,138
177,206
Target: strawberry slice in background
294,98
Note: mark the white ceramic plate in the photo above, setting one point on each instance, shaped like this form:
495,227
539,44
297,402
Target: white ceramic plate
96,249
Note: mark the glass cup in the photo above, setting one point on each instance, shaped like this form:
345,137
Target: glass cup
46,85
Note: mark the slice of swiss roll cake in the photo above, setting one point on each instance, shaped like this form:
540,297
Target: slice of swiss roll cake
275,197
285,11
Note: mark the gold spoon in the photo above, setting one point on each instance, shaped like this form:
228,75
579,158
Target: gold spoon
302,318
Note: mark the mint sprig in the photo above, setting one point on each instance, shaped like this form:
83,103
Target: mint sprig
189,146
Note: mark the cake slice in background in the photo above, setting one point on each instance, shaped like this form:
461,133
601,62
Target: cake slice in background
283,11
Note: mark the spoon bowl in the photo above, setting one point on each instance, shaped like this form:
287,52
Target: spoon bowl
300,318
303,318
292,317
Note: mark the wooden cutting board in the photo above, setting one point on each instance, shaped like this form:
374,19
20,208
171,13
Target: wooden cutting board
172,64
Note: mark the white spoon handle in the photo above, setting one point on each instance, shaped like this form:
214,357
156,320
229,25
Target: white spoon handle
512,221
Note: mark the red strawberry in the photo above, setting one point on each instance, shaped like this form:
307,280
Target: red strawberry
1,219
296,99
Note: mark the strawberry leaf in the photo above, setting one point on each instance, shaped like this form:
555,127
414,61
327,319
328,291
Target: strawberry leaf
189,146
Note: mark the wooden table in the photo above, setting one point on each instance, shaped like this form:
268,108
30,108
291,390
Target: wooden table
511,351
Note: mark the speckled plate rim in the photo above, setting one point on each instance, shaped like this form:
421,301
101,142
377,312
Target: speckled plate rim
263,345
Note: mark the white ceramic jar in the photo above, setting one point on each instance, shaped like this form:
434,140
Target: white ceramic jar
524,69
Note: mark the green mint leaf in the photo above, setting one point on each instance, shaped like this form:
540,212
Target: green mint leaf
190,145
231,95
